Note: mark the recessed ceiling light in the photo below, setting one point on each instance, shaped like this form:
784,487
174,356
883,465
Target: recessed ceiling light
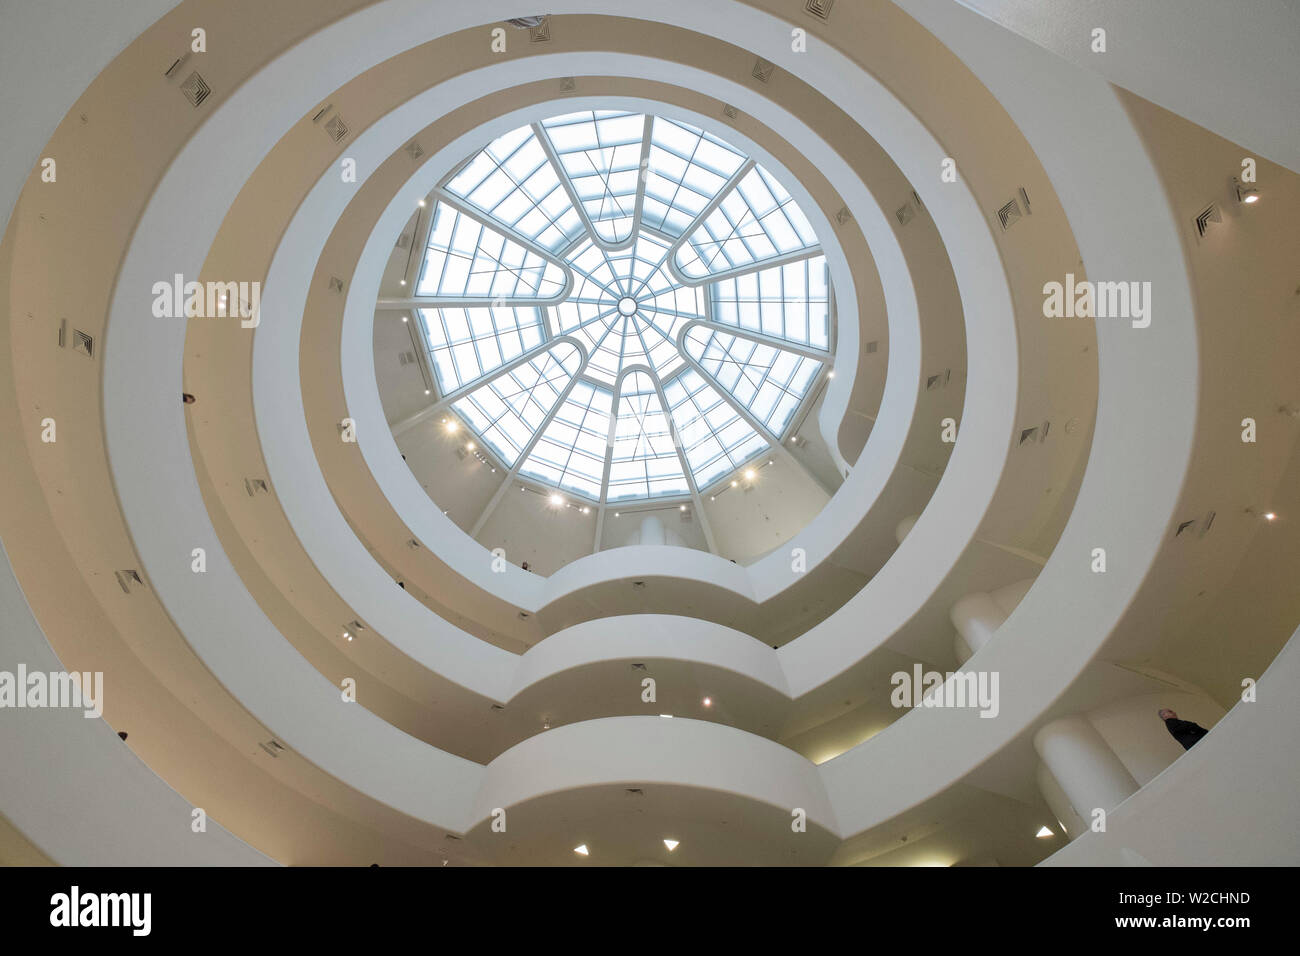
348,635
470,446
750,474
1269,516
734,483
405,319
1043,833
616,514
671,844
581,850
451,424
585,509
831,373
769,461
682,508
557,500
420,203
708,702
426,392
401,282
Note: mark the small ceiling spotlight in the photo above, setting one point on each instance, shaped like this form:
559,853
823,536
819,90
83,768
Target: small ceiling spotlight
1269,516
401,282
452,425
682,508
1246,194
750,474
734,483
405,318
420,203
708,702
348,635
557,500
671,844
616,514
471,446
581,849
426,392
585,509
831,373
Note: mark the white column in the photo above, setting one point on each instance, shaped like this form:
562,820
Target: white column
904,527
652,531
1089,773
1059,804
976,616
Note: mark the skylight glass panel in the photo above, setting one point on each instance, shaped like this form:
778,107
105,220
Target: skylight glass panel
790,301
571,452
715,438
507,411
686,168
756,221
468,260
643,461
513,182
467,343
768,381
601,154
538,380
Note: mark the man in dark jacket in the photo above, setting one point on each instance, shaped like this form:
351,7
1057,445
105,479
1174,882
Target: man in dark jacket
1185,732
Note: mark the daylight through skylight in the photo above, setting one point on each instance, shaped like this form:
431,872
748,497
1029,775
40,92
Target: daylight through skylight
621,306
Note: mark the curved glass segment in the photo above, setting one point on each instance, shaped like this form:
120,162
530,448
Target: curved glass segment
714,437
600,153
767,381
643,461
466,344
685,169
509,409
572,451
755,223
790,302
590,366
512,181
466,259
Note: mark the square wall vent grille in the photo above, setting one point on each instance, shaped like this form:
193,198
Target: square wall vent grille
196,89
336,128
1009,215
821,9
1206,216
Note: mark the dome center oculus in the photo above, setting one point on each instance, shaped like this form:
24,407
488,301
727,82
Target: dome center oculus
626,305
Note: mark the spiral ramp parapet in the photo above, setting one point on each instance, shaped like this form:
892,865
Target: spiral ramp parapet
745,433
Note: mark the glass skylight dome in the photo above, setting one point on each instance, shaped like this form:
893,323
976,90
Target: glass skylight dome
622,306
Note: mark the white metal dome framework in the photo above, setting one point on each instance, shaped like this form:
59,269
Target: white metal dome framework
621,305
